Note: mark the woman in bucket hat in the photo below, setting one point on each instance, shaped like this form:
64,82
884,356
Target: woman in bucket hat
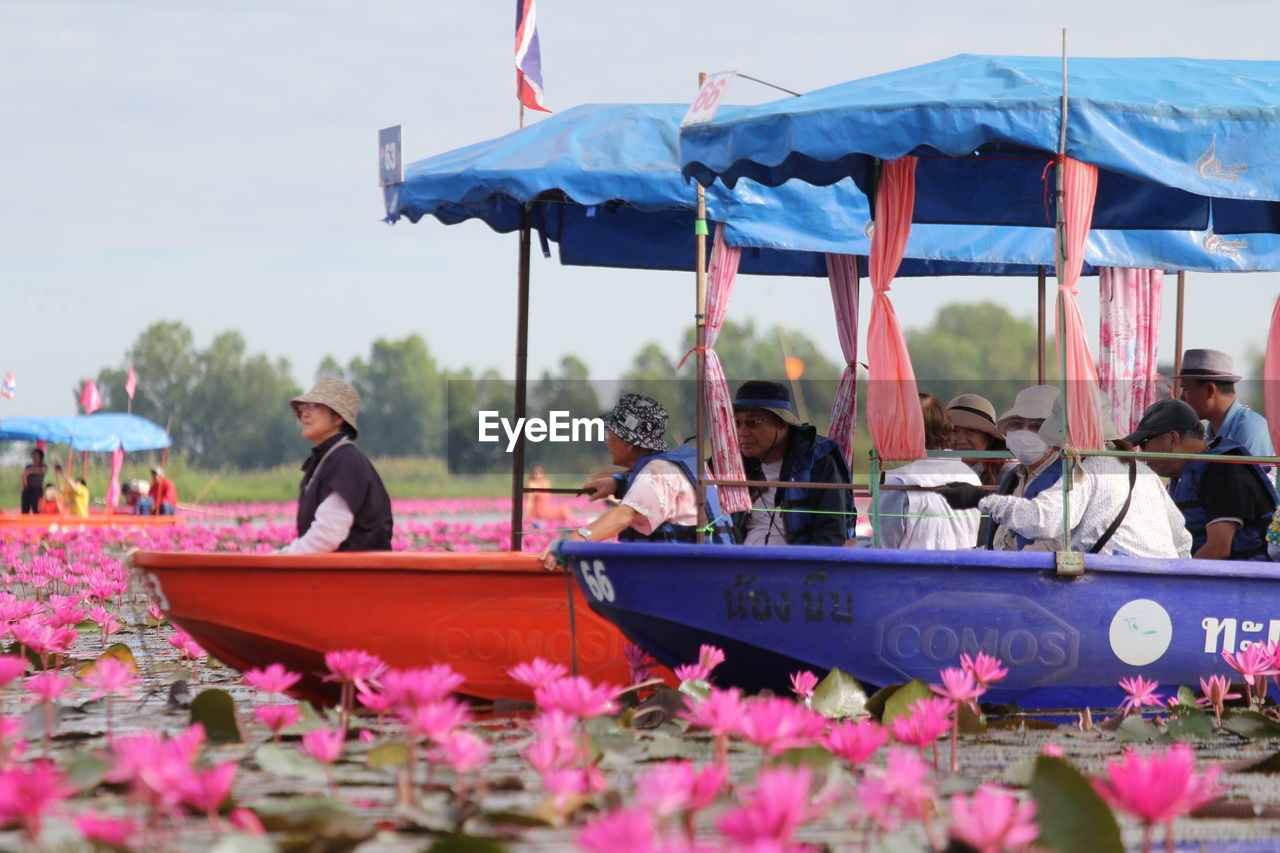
658,491
342,504
974,421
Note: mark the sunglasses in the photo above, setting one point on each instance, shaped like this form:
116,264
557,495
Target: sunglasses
750,423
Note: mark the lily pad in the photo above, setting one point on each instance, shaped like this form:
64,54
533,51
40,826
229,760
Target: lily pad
115,651
282,760
84,771
839,695
877,700
1190,726
388,755
467,844
1251,724
813,757
1186,697
663,747
1071,815
1135,728
242,842
899,704
1269,765
1020,773
970,722
216,711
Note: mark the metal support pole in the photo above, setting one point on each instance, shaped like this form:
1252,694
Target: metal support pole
522,376
1040,330
873,484
1177,334
700,342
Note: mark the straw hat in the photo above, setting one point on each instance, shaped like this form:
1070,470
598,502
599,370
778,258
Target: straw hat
337,395
973,412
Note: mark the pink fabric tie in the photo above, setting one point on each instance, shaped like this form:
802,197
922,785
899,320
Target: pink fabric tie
842,272
1084,421
894,417
726,456
1271,377
113,486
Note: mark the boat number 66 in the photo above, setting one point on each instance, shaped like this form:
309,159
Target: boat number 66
596,580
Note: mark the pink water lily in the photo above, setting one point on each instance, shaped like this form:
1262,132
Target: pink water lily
803,684
1216,690
412,688
993,821
323,744
1254,663
771,810
928,720
986,669
27,793
1141,694
577,696
538,672
273,679
277,717
1159,787
106,830
855,741
778,724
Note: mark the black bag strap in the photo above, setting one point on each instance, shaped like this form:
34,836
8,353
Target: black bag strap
1124,510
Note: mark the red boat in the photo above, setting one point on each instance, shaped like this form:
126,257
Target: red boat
13,525
481,612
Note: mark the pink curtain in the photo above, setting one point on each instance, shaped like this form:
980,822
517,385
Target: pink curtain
1271,377
893,404
1084,421
113,486
1130,329
726,457
842,272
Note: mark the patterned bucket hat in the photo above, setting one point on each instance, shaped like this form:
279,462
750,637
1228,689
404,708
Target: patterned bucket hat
335,394
639,420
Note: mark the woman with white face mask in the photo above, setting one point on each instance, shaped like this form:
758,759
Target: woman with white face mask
1117,506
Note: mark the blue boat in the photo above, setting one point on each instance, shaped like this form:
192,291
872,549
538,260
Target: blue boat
889,616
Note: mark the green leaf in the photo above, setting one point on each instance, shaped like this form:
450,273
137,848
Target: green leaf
216,711
1190,726
877,700
664,746
1251,724
1071,815
511,817
970,722
1020,773
1135,728
838,696
899,704
1186,696
242,842
84,771
280,760
813,757
387,755
696,689
903,841
467,844
1269,765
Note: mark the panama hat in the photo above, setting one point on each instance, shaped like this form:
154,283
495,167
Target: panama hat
337,395
1208,364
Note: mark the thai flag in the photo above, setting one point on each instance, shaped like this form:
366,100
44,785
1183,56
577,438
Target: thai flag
9,388
528,57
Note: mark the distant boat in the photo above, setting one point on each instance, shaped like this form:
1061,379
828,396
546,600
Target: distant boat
481,612
13,525
889,616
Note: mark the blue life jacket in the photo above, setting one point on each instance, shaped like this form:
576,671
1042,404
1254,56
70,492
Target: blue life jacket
1046,478
685,458
1250,541
799,523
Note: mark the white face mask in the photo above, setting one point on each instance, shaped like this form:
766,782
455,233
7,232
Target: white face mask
1028,446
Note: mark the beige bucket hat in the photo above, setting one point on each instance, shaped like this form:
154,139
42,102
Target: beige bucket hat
1032,403
1055,436
337,395
974,412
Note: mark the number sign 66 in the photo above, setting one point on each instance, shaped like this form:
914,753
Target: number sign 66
598,583
709,98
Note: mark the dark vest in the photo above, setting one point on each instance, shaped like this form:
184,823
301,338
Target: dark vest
685,458
799,524
1250,541
372,522
1046,478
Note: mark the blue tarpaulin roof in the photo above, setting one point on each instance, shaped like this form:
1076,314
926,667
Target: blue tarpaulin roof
604,184
101,432
1168,134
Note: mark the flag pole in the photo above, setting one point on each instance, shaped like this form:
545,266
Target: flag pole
700,344
522,363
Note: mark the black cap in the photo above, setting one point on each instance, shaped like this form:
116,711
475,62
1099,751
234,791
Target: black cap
770,396
1165,416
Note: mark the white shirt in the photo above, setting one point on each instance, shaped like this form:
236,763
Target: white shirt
329,529
925,519
765,526
1153,527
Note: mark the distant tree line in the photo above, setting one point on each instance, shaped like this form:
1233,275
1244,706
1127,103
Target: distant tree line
226,407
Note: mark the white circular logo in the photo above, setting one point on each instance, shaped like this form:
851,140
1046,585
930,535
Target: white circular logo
1141,632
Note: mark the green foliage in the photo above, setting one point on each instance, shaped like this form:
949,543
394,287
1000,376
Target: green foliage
1071,815
401,398
975,349
839,695
899,703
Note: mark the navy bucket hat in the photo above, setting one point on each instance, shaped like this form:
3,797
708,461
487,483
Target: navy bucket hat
771,396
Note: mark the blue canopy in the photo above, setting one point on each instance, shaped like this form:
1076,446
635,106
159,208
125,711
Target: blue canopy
604,183
1182,144
101,432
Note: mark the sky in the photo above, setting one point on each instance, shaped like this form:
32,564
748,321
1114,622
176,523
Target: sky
215,163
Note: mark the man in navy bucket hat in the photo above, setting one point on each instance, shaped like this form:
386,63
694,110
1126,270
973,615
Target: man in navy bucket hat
777,447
